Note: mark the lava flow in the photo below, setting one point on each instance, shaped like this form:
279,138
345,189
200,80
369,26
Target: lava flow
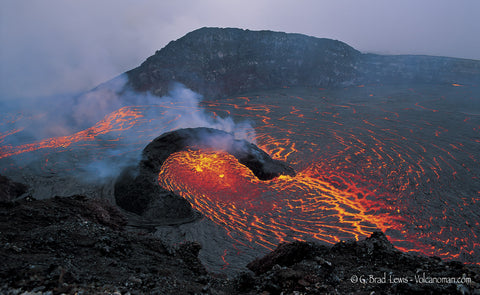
213,173
117,121
401,160
315,204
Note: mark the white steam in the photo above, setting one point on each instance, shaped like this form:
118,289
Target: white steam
185,105
179,109
110,152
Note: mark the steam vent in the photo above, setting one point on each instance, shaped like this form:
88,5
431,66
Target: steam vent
137,189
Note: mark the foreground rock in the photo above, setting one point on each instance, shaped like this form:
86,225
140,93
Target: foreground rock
77,245
137,189
371,266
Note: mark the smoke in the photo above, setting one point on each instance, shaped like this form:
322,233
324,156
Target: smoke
187,110
52,46
61,118
91,107
60,115
179,109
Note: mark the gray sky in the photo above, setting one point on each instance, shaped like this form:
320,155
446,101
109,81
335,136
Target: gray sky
58,46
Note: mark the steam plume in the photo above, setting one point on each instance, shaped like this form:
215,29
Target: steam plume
65,118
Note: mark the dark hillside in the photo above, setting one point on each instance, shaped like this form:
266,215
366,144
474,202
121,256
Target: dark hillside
221,62
218,62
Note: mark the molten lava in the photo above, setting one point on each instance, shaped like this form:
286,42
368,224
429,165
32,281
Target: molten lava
403,161
119,120
315,204
214,173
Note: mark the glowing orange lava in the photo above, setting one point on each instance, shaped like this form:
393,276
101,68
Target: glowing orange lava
217,174
315,204
119,120
405,162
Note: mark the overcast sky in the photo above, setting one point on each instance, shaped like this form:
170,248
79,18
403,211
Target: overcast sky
60,46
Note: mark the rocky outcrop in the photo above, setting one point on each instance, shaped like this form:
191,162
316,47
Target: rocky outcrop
221,62
137,189
77,245
370,266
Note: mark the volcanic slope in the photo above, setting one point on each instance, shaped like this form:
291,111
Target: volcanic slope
221,62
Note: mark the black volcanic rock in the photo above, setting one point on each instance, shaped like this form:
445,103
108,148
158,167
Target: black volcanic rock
137,189
217,62
77,245
221,62
248,154
365,267
286,254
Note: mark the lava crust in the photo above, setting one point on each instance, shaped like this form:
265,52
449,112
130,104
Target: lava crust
137,189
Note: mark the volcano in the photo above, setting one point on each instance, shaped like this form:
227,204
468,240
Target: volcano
273,138
137,189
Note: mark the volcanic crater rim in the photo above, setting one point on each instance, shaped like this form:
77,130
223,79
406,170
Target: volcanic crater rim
137,189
